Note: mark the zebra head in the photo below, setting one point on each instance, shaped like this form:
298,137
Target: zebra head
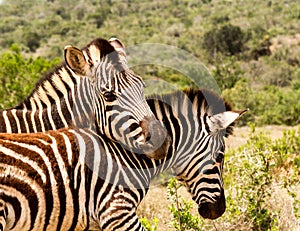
203,173
117,96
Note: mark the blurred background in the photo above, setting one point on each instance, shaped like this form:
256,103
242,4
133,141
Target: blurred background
252,50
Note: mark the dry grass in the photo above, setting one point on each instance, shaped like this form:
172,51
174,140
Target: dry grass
158,207
155,204
241,134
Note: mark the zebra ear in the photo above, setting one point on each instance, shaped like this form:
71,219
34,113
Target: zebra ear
223,120
75,60
118,45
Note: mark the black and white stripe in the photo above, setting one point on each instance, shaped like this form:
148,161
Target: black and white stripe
95,83
75,179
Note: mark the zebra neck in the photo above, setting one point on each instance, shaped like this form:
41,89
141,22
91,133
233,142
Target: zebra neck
84,106
182,117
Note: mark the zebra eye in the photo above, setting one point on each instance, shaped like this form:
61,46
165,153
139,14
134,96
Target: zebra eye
109,96
220,157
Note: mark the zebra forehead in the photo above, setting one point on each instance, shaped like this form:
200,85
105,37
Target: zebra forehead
100,44
94,53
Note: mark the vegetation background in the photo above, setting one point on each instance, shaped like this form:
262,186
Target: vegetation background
251,48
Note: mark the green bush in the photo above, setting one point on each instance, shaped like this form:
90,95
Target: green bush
149,225
227,72
32,40
268,105
18,75
183,219
228,40
252,174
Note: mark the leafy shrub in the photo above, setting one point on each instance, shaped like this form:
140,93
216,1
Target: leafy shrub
32,40
100,15
228,39
220,19
227,72
18,75
149,225
269,105
261,49
252,175
183,219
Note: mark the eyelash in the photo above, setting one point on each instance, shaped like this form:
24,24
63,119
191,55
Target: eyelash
110,96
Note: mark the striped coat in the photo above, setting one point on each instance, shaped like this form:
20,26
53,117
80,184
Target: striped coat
74,179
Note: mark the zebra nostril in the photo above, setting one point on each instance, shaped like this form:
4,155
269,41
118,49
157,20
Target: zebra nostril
148,137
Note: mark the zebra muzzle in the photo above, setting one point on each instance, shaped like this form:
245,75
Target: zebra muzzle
213,210
156,138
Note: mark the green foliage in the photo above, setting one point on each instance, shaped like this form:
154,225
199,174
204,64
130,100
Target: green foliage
149,225
168,79
257,184
32,40
99,16
183,219
286,146
18,75
252,170
269,105
228,39
227,72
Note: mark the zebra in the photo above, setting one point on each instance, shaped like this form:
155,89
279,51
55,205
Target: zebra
93,84
76,179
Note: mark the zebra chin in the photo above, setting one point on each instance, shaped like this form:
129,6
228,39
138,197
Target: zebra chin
213,210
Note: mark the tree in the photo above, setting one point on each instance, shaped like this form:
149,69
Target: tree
228,39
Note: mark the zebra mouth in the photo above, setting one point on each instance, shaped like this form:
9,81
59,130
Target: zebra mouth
213,210
156,139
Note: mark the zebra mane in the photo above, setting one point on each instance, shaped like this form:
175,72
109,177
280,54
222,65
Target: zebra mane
206,101
53,77
47,78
